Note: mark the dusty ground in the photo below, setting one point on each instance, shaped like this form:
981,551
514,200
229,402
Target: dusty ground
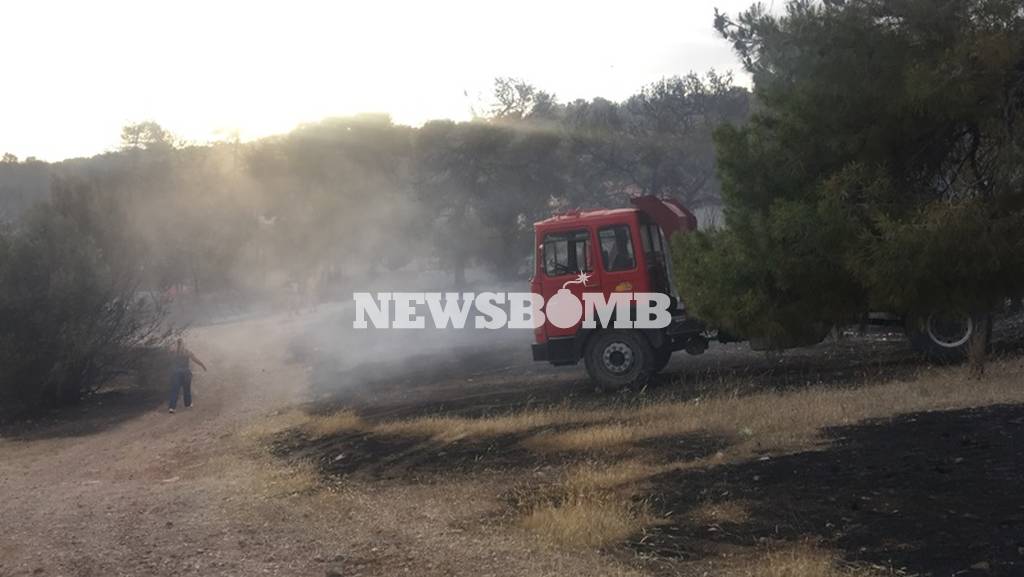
483,463
120,487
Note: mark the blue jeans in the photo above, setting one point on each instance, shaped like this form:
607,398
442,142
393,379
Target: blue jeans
181,380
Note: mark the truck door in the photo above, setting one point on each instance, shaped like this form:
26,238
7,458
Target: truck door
565,254
657,258
619,259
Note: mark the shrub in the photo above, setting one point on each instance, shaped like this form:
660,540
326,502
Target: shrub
69,320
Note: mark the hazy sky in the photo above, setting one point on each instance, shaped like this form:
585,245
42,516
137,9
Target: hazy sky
74,72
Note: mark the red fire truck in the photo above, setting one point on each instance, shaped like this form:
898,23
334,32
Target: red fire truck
626,251
622,250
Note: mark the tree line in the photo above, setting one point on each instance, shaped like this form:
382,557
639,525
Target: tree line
94,248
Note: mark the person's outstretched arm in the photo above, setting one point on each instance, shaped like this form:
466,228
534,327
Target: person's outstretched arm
196,360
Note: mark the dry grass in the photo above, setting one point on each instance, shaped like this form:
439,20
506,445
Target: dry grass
439,428
782,421
804,560
610,477
767,421
295,479
586,520
764,421
448,429
259,430
254,474
334,423
251,470
594,506
715,513
294,419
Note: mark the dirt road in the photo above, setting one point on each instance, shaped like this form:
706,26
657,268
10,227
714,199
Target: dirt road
110,490
146,496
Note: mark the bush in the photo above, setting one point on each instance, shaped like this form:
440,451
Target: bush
68,321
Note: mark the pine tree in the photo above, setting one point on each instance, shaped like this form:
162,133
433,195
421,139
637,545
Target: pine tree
883,168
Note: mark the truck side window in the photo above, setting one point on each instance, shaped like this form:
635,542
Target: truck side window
616,248
651,239
567,253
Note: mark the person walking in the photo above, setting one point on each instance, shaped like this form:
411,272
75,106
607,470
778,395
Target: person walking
181,374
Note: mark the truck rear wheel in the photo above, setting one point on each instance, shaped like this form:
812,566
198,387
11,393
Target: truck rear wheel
943,337
618,358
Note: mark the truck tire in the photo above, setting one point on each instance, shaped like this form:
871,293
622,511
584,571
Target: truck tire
618,358
943,338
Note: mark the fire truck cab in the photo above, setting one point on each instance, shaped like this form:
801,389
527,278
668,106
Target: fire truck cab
622,250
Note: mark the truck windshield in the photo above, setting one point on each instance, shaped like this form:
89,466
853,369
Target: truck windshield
567,253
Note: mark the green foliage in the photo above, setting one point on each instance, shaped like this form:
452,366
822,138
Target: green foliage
881,169
334,191
657,142
950,257
774,278
22,184
68,320
487,182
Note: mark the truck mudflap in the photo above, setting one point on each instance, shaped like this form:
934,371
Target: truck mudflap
668,213
558,351
687,333
684,325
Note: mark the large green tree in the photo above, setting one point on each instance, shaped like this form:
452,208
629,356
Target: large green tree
882,169
658,142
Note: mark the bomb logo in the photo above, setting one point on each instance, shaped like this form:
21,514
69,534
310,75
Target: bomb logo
564,309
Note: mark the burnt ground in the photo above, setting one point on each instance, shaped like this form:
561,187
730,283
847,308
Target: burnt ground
937,493
366,456
497,376
375,458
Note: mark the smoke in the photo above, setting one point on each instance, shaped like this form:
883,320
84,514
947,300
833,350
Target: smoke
343,357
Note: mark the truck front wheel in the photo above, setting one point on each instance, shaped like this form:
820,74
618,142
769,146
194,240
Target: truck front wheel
618,358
